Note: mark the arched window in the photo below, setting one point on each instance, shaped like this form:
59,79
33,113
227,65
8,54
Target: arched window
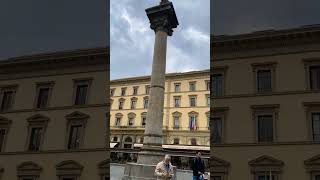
128,143
193,141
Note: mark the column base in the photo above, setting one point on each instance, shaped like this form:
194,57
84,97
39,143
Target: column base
135,171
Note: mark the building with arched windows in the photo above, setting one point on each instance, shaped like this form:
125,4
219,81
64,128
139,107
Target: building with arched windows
186,110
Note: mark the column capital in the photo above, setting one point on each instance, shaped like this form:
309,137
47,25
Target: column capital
163,17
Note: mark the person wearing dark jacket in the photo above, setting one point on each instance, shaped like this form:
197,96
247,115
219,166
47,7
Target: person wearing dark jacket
198,167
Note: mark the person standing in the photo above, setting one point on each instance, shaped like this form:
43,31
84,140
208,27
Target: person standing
198,167
164,169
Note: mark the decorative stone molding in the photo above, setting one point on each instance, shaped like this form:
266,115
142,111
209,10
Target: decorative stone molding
29,169
104,167
266,164
176,114
77,115
163,17
69,167
218,166
313,164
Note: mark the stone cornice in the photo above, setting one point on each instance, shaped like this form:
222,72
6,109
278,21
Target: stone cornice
266,39
55,60
168,76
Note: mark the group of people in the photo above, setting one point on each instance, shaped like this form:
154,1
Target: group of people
164,169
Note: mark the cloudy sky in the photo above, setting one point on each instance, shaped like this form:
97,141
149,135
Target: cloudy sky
243,16
37,26
132,40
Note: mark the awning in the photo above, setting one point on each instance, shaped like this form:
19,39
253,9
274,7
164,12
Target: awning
194,148
137,145
112,145
181,147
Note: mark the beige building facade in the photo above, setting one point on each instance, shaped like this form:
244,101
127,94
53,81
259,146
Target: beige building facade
53,118
266,105
186,109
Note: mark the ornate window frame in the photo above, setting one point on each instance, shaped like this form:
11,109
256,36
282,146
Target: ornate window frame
39,85
264,164
134,99
118,115
266,109
131,116
123,103
174,101
143,115
196,115
76,83
219,167
310,107
76,118
307,64
219,112
69,168
14,89
312,166
29,169
219,70
36,121
5,124
176,114
104,168
264,66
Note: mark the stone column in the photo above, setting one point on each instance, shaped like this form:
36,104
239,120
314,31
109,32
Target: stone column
162,19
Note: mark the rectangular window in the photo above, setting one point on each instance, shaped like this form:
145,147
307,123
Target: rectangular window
177,87
43,97
177,101
176,141
265,128
217,85
2,137
266,176
133,104
193,101
35,139
264,82
192,86
121,104
193,123
315,77
123,91
147,89
130,121
74,137
216,130
176,122
7,100
144,119
316,126
112,92
81,94
208,85
146,103
118,121
115,139
135,90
